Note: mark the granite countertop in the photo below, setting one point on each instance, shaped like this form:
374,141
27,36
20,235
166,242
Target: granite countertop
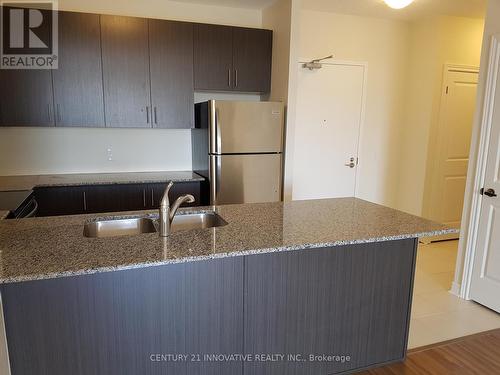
42,248
4,214
8,183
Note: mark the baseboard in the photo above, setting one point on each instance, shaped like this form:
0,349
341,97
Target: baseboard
455,289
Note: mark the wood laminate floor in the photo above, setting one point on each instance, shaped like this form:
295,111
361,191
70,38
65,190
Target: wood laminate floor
477,354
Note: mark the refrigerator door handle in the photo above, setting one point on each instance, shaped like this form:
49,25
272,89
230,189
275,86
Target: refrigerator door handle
218,139
213,129
215,176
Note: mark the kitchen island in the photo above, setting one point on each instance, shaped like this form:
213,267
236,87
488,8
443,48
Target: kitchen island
307,287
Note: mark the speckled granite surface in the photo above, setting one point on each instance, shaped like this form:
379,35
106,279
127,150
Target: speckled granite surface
29,182
3,214
42,248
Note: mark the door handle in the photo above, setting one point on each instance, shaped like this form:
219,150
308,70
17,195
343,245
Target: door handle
156,116
147,114
351,163
229,77
235,78
488,192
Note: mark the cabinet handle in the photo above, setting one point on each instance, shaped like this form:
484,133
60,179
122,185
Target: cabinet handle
58,113
84,201
147,114
144,197
152,198
156,117
235,77
49,115
229,77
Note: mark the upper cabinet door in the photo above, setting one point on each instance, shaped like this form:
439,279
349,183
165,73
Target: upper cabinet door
252,54
213,57
125,58
26,98
78,91
171,55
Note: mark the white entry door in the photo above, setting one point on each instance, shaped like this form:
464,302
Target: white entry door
485,283
453,145
328,119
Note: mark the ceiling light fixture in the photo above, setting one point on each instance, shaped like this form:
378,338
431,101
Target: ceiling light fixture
398,4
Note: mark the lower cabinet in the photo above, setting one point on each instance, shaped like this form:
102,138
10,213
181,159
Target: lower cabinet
55,201
73,200
316,311
349,301
113,198
135,322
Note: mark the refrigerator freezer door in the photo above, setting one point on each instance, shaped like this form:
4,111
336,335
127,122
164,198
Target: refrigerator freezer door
245,178
246,127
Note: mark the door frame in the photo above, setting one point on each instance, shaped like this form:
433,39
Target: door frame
362,115
486,125
434,153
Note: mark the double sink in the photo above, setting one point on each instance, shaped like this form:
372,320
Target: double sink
141,225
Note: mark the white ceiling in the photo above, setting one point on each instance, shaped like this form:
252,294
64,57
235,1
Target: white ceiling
420,8
248,4
371,8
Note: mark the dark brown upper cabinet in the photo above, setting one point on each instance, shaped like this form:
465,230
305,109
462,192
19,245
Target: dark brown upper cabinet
26,98
125,59
127,72
232,58
78,91
171,59
213,57
252,59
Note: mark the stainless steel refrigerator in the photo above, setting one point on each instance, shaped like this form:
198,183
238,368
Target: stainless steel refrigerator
238,147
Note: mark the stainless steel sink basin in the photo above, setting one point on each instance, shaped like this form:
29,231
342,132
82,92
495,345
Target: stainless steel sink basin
119,227
197,221
141,225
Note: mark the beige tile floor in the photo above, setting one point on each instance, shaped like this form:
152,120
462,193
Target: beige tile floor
437,315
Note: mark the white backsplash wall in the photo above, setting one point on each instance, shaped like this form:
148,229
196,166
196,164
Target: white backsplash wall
85,150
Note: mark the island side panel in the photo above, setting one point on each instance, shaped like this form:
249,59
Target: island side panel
111,323
349,300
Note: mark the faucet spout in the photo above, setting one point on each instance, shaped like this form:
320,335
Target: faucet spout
168,212
187,198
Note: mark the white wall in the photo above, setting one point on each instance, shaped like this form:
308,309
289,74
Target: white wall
383,44
492,27
277,17
60,150
295,30
80,150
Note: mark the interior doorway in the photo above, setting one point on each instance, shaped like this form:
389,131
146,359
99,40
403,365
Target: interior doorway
449,154
437,314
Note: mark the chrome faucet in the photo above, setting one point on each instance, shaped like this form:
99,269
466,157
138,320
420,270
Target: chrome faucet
167,213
